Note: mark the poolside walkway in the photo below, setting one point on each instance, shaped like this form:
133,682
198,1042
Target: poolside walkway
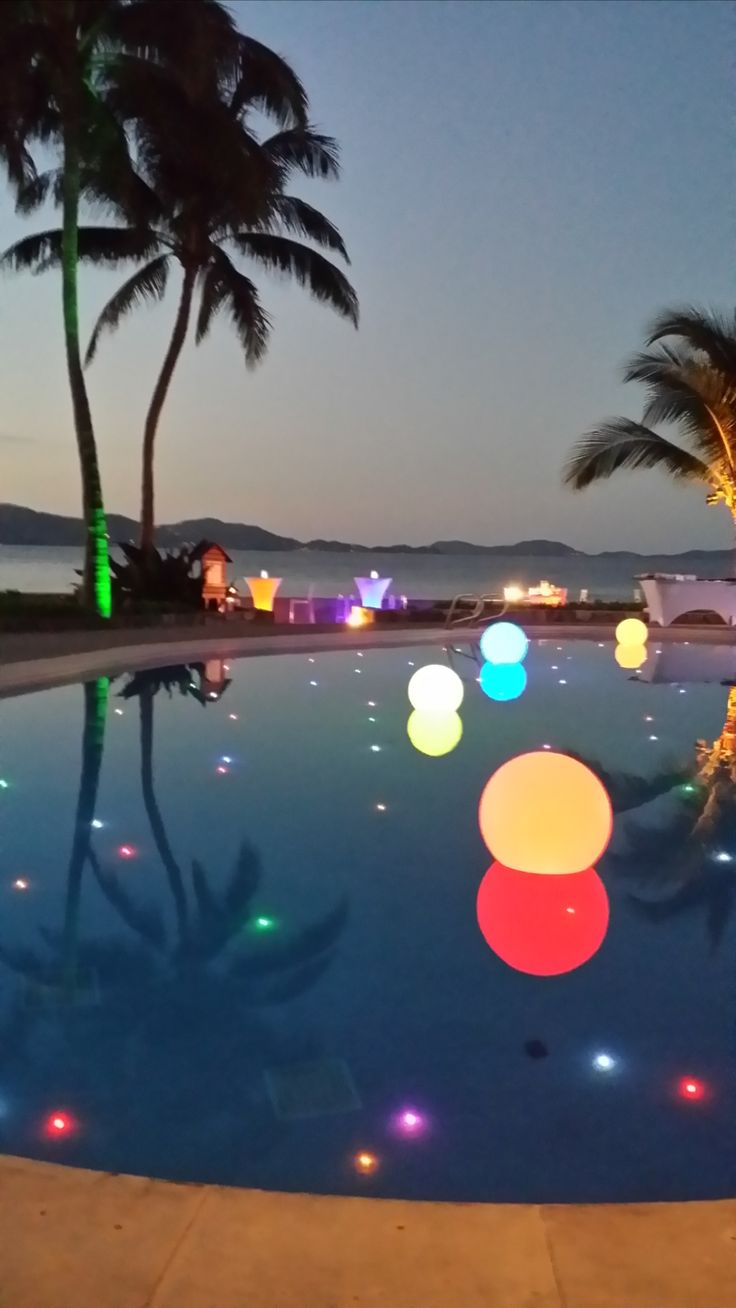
77,1239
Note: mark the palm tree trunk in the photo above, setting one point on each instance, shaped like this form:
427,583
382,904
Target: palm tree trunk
96,582
93,740
161,840
178,337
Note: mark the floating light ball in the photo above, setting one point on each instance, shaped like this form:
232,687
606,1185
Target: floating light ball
543,926
632,631
503,681
545,812
435,689
503,642
434,734
630,656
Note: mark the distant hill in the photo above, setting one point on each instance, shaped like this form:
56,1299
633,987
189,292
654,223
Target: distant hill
21,526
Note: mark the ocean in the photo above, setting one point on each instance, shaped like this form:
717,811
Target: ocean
420,576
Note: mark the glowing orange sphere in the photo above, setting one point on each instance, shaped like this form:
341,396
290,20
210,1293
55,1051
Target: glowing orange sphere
545,812
542,925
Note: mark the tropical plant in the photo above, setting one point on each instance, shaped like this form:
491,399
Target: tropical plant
62,63
150,576
689,372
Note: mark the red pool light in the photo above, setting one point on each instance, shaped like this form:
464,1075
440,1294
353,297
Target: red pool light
126,851
689,1087
58,1124
542,925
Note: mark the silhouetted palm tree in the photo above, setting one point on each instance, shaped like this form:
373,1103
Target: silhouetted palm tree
197,206
689,371
62,64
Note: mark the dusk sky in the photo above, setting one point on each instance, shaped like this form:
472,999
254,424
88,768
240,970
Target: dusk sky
524,186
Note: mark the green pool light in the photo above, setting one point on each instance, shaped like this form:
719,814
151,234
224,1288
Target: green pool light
264,923
3,784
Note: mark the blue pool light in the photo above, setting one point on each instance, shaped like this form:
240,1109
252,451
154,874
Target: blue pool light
503,681
504,642
604,1062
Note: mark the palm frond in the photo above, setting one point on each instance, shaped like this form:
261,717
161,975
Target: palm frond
622,443
147,284
307,151
322,279
700,329
237,294
298,951
244,881
36,189
297,216
143,919
103,246
269,84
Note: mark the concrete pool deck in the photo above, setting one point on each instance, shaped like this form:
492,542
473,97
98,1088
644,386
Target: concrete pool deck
78,1239
71,1238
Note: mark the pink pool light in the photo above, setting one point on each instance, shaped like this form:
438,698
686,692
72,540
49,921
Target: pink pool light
372,590
410,1123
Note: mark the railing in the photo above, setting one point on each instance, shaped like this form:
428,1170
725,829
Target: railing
477,612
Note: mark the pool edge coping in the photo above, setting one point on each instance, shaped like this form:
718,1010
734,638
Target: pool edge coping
137,1242
27,674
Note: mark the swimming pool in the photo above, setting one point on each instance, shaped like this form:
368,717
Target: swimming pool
239,943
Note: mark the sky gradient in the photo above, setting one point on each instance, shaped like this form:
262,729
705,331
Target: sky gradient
524,186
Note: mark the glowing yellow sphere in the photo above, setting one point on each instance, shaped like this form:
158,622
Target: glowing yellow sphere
630,656
435,689
545,812
632,631
434,734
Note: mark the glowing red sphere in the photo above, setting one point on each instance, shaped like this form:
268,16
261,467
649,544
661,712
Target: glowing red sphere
542,925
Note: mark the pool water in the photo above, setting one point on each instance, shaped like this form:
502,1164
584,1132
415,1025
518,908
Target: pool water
239,943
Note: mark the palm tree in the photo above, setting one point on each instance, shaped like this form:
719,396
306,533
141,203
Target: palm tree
60,63
689,372
207,206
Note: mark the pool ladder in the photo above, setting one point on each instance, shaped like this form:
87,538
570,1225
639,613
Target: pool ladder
477,612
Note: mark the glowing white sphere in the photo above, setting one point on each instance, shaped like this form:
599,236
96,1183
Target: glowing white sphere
503,642
435,689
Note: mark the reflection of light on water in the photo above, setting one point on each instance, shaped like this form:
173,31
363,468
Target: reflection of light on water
503,681
434,734
524,919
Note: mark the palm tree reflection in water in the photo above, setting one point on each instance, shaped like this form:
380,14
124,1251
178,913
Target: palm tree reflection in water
685,862
172,1043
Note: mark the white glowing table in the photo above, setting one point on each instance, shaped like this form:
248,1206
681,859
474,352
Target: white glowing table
667,598
372,590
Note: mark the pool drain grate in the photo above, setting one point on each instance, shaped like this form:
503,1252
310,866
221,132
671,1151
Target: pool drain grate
316,1088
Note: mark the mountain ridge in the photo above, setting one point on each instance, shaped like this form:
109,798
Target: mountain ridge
23,526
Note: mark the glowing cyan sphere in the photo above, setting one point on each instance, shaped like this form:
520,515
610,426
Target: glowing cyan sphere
503,642
503,681
434,734
435,689
630,656
545,812
632,631
542,925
